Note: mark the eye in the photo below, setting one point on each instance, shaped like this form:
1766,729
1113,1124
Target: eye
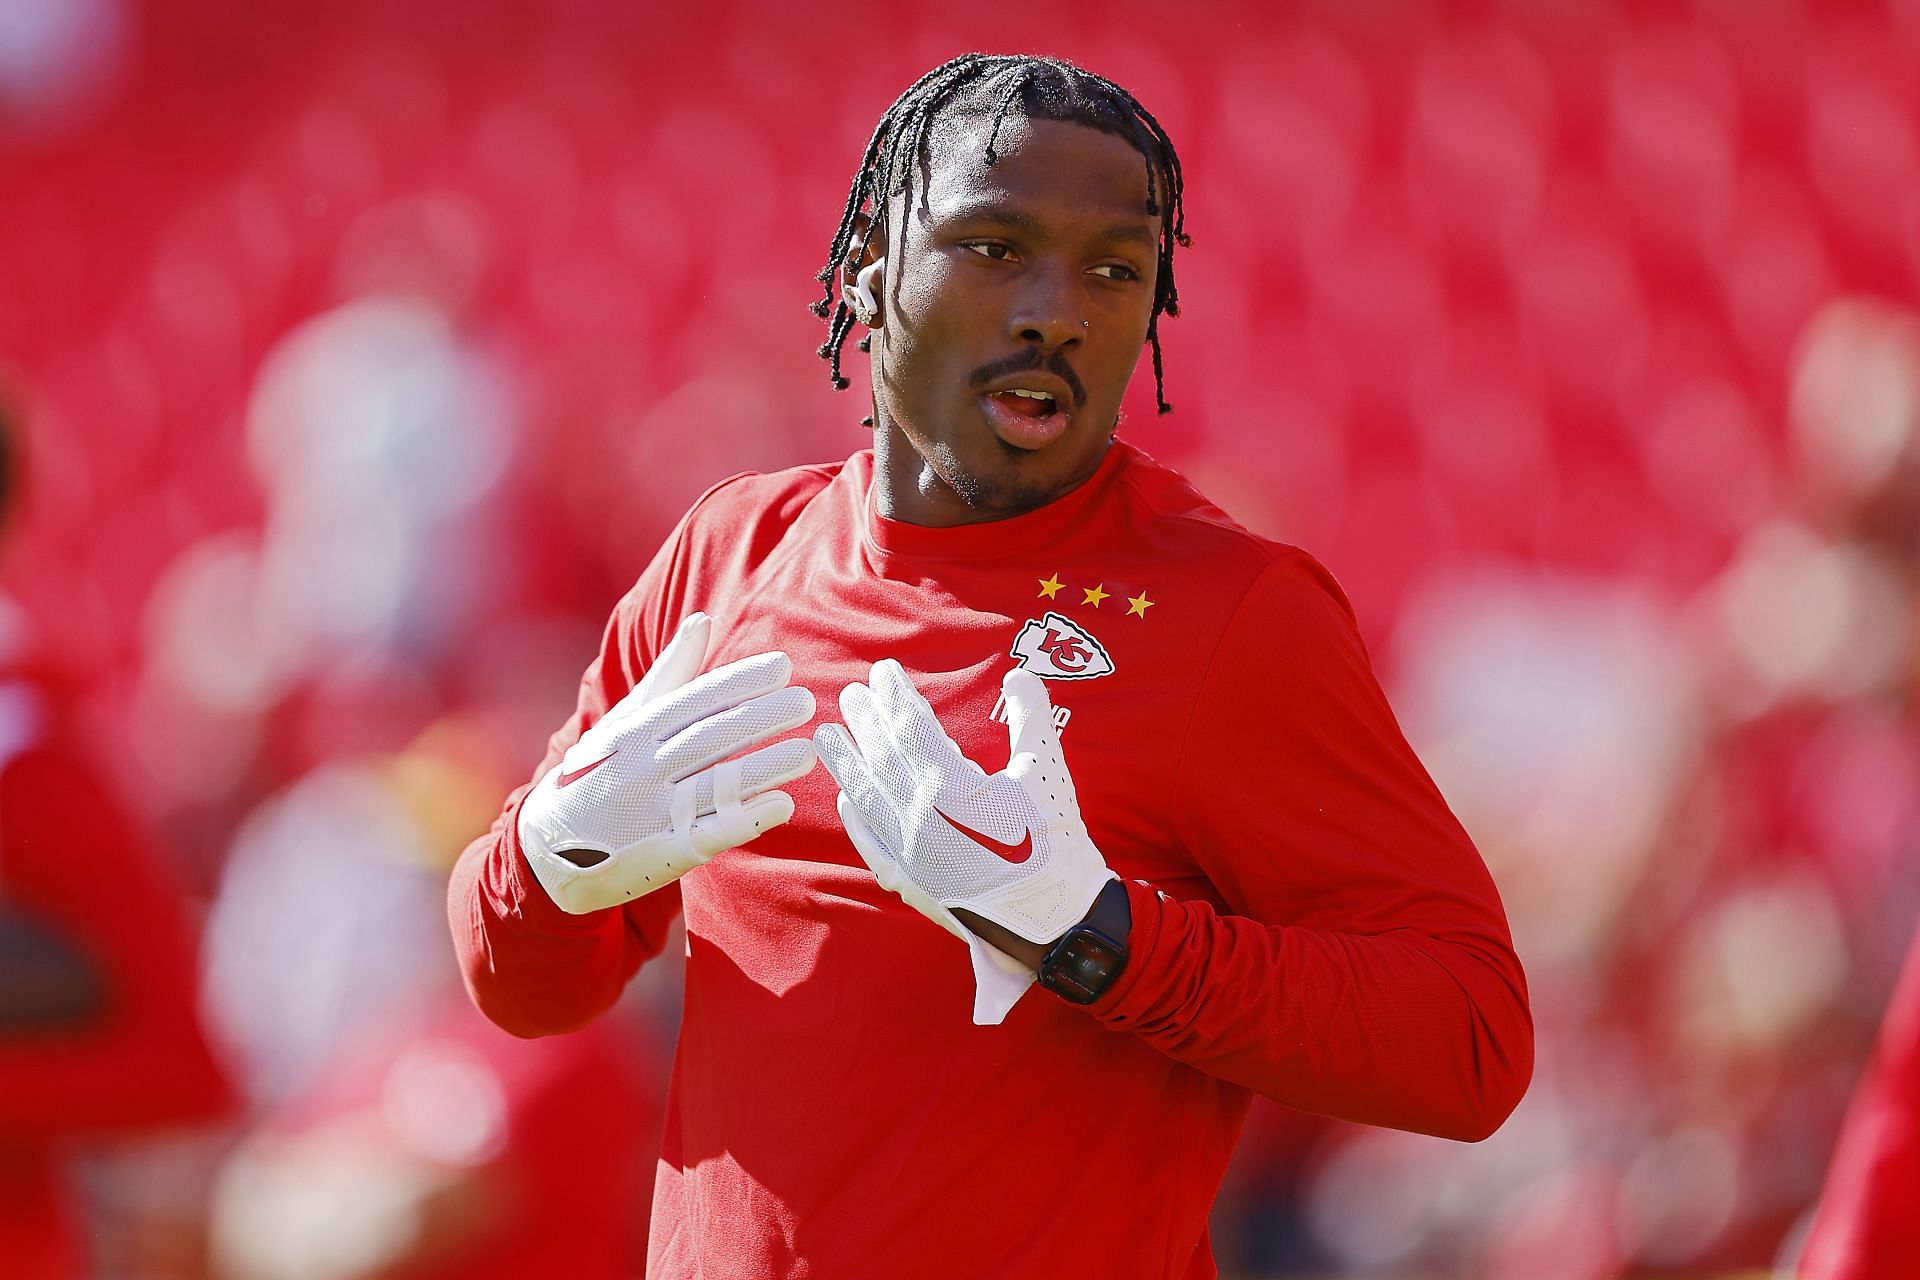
1116,271
989,249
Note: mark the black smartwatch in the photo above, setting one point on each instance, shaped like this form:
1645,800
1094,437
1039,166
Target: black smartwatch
1090,956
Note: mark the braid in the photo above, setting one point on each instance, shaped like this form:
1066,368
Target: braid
1040,88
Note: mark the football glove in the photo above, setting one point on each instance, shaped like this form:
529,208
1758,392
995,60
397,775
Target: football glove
942,833
641,789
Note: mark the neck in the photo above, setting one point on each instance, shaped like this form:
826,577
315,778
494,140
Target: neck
909,488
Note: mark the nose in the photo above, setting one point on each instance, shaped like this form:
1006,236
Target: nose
1048,315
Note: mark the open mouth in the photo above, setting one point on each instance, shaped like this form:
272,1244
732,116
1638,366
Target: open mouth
1028,404
1024,418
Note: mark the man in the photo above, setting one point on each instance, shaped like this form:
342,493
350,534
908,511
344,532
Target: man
99,1034
1216,838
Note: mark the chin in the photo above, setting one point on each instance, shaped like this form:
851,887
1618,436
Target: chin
994,479
1008,493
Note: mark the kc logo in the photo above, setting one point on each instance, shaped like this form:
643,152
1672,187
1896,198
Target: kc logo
1058,648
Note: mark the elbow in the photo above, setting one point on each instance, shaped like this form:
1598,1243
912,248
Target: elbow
1484,1119
524,1018
513,1020
1499,1065
525,993
532,1029
1499,1086
1474,1115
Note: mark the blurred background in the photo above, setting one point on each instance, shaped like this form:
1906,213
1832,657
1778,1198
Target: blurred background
359,354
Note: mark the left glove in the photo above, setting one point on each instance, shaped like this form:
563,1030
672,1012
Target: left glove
942,833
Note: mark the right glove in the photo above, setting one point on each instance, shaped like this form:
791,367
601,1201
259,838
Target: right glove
638,800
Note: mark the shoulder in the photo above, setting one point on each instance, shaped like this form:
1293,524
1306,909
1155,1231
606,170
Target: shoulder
1255,572
751,499
740,520
726,537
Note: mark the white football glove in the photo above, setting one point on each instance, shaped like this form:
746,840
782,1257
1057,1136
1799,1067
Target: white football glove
940,832
637,788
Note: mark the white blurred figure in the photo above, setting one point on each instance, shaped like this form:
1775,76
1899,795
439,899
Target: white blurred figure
379,431
375,429
324,923
397,1133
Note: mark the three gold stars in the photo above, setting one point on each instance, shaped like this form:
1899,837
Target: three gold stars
1051,587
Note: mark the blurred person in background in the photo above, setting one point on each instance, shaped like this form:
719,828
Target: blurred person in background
398,1134
1857,414
1868,1223
99,1032
1302,916
1705,814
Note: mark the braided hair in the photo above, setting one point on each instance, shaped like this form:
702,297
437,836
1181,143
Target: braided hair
1040,89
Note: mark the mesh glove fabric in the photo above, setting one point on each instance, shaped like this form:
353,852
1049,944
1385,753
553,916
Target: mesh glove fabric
942,833
640,794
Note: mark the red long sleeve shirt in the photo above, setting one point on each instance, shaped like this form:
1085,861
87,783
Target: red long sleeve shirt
1868,1224
1309,920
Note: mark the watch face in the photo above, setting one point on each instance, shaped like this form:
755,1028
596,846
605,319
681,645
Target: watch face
1083,966
1092,961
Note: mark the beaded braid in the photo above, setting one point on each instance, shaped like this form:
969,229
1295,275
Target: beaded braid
899,142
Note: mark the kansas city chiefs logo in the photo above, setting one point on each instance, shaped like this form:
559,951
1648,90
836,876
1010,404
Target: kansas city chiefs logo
1058,648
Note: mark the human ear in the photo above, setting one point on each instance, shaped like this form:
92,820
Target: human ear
866,264
860,297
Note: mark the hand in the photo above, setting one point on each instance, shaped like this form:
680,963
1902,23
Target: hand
936,829
638,802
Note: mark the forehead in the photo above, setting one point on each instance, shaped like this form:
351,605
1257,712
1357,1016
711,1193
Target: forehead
1055,165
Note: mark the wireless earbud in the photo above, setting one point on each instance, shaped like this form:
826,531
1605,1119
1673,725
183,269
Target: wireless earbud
859,296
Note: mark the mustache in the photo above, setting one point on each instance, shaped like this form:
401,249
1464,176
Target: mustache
1026,362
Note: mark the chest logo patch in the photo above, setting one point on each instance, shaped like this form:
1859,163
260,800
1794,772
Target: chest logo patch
1058,648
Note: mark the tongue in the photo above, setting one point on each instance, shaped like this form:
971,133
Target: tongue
1023,405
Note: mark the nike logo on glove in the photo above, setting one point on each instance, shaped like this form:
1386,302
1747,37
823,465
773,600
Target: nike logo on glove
568,779
1014,853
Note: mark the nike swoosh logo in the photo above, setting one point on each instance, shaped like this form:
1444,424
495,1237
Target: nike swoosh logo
568,779
1014,853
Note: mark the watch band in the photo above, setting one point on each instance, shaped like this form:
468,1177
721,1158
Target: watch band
1091,955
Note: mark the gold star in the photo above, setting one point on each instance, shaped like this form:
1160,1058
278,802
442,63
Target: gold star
1095,594
1138,605
1050,586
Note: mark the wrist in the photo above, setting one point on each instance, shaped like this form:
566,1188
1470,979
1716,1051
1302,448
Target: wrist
1003,939
1032,954
1090,957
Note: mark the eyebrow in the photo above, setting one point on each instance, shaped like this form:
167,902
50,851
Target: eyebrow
1018,220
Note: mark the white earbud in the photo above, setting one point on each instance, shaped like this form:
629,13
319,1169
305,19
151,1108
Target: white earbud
859,296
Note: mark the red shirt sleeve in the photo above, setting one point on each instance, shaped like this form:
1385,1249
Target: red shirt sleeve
71,855
1867,1227
1366,971
532,968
